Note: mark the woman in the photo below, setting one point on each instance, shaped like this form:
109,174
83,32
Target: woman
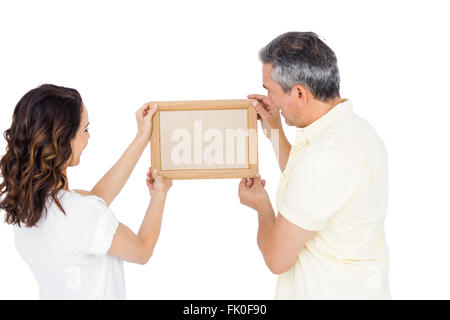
71,240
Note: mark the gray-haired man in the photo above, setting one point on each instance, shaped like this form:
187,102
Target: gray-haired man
327,241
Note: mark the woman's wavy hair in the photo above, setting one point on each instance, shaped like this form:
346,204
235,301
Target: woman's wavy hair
38,148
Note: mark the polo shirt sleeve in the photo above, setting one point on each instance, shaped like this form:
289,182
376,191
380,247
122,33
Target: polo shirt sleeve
320,182
89,225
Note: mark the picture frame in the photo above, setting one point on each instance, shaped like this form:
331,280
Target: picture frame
205,139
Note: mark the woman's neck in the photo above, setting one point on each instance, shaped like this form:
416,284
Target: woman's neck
66,187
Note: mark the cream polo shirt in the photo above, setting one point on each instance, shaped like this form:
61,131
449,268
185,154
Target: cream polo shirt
336,183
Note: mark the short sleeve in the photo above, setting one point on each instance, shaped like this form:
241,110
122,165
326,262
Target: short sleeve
89,225
320,182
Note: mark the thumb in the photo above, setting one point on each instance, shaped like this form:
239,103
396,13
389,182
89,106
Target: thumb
152,110
154,174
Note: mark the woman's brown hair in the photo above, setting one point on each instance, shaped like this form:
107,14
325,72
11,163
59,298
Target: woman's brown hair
38,148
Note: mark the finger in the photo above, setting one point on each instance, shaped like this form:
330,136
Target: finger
146,106
260,109
263,182
249,183
244,183
257,180
261,98
256,96
272,109
142,109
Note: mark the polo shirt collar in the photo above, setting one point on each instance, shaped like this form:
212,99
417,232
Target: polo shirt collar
337,113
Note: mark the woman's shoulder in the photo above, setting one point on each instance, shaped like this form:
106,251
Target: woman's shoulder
82,192
78,206
81,197
88,223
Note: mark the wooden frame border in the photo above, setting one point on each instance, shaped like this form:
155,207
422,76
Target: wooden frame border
205,105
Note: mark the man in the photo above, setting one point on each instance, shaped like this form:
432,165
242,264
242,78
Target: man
327,241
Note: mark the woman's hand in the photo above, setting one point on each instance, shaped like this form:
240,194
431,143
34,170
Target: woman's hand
267,113
252,193
156,183
144,120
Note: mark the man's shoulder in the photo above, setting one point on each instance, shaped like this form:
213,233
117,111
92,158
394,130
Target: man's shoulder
348,143
353,134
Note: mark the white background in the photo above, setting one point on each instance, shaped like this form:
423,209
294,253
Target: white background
393,58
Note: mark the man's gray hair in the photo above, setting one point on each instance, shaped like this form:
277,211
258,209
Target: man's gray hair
303,58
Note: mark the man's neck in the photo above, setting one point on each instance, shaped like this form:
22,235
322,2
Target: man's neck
320,108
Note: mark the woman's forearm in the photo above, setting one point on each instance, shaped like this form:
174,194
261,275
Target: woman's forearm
151,225
113,181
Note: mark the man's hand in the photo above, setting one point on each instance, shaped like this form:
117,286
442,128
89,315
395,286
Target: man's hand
144,120
252,193
271,120
156,183
267,113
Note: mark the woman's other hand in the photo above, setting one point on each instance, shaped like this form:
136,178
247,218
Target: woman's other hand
156,183
144,120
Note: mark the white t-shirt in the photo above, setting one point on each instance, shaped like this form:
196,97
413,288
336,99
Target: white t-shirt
68,253
336,183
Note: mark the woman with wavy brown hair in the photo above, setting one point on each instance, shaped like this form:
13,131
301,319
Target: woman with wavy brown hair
71,239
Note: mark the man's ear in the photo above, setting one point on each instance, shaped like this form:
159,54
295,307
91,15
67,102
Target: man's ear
302,94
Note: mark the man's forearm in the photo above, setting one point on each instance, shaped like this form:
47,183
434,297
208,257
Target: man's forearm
266,221
113,181
282,148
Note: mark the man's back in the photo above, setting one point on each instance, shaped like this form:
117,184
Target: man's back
336,183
